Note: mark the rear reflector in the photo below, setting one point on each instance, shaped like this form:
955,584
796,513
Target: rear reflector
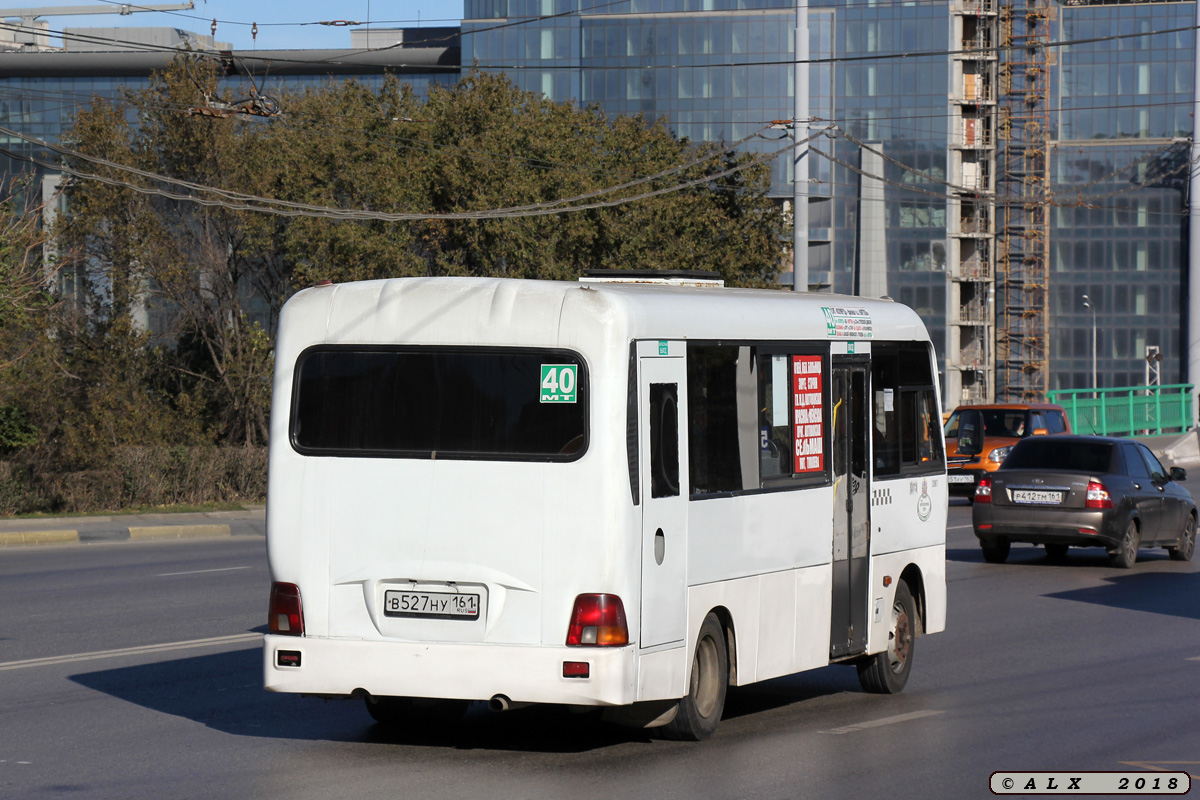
598,620
288,658
983,491
285,615
577,669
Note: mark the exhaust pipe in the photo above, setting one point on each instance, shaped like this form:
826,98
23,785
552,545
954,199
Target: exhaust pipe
501,702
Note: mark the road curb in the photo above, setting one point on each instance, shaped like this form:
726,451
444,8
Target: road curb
132,533
149,532
19,538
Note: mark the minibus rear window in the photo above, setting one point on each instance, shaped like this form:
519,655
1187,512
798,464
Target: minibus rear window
449,402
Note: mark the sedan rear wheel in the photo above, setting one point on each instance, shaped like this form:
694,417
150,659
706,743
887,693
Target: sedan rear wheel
1187,541
1057,552
995,551
1125,554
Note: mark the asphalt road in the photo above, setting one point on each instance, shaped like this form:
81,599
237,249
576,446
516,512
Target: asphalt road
132,671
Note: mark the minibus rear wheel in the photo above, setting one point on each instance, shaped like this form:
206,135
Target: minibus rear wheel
701,708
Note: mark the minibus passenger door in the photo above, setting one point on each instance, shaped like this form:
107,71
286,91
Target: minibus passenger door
662,387
851,521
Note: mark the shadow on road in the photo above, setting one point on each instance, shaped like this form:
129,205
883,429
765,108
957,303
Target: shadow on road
1030,555
1170,593
224,691
791,689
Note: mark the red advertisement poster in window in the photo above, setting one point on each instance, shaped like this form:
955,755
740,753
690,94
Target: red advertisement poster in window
807,411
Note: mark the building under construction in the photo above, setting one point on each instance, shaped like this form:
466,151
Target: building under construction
1079,185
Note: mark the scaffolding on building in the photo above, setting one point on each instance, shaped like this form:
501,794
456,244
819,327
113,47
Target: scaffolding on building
970,362
1022,349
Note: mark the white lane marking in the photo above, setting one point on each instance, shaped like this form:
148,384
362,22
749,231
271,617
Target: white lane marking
131,651
1194,658
879,723
197,572
959,527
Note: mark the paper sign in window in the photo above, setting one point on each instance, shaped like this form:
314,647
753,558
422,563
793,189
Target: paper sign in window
807,414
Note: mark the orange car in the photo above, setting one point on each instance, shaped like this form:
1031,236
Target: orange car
1004,424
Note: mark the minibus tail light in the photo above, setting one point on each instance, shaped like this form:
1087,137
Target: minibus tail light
285,615
1098,496
598,620
983,491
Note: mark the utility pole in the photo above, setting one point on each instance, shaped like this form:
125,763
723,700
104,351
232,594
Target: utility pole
800,163
1153,367
1087,303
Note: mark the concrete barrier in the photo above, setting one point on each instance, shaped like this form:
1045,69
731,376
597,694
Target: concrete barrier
1176,450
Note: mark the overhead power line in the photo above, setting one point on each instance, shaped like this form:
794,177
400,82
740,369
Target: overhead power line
239,201
341,58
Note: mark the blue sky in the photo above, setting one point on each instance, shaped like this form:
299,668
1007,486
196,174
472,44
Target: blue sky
281,25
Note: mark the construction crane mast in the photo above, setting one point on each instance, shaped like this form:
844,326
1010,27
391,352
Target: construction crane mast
1022,311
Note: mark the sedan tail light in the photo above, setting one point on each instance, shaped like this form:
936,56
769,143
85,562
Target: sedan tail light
983,491
1097,496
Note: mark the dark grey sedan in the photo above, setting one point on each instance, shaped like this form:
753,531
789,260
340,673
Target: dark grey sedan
1084,491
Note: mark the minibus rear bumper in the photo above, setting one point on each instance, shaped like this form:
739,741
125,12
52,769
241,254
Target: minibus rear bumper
466,671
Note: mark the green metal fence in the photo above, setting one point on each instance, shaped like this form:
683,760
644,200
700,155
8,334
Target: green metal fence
1128,410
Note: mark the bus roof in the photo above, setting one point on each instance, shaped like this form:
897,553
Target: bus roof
482,311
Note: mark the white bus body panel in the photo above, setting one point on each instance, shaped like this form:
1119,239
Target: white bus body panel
529,536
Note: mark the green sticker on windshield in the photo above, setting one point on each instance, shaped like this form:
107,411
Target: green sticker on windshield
559,382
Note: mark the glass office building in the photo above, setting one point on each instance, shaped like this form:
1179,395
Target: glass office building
1125,111
719,70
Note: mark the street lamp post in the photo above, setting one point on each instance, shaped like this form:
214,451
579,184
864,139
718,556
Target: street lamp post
1087,303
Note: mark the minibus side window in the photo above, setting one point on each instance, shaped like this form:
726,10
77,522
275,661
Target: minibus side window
714,461
664,440
756,417
906,436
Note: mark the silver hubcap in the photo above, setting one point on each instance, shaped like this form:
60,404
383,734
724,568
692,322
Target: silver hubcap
1130,542
705,667
900,640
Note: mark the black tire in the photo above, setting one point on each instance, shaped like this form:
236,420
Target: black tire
1124,555
887,672
1187,542
1057,552
410,711
700,709
995,551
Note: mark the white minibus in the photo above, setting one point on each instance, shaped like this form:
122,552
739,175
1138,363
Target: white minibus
604,493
